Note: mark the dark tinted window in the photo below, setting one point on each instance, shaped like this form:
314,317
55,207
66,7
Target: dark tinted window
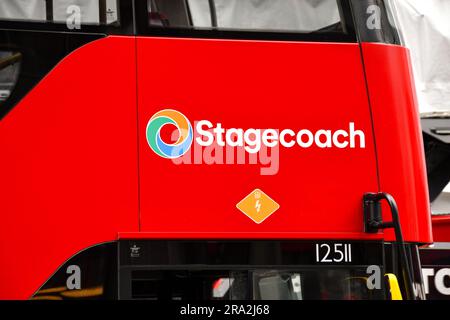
262,284
375,21
9,72
89,275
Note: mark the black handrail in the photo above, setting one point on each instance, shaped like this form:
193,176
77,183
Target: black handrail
10,60
374,221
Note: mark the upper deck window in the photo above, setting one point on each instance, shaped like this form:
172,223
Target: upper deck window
284,16
26,10
95,12
274,15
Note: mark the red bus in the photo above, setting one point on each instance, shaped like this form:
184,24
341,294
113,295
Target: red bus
188,149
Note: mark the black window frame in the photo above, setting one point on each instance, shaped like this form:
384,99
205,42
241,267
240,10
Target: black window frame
349,36
235,255
124,27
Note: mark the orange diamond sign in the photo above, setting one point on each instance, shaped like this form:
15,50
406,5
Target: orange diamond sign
258,206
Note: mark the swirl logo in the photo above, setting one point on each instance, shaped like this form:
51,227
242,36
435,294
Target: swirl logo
153,133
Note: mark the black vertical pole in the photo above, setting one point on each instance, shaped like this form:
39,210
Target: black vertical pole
102,12
49,10
212,10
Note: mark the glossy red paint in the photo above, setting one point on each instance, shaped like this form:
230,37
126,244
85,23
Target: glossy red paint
400,153
247,235
72,146
256,84
441,228
68,165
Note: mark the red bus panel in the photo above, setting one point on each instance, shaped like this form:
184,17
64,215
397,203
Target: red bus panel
260,85
400,153
69,167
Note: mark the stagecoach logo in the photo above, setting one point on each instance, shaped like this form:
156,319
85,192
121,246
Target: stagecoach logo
184,129
216,145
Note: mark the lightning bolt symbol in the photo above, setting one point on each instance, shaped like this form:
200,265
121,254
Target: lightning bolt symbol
258,205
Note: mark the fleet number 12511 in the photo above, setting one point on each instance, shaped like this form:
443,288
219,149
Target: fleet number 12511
336,252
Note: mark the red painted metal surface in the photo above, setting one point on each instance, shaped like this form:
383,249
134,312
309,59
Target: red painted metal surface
441,228
400,153
256,84
68,165
71,148
255,235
